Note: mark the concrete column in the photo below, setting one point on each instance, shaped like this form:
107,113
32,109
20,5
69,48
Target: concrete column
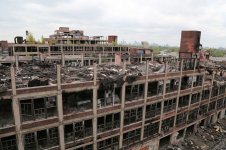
173,138
145,101
222,112
99,59
95,108
63,59
214,118
60,110
141,58
129,59
16,60
16,111
122,110
152,57
82,61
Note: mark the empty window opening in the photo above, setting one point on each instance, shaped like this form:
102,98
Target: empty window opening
197,81
172,85
77,101
183,101
205,94
164,142
8,143
190,130
109,144
212,106
108,97
195,98
214,91
151,130
155,88
181,119
108,122
43,139
186,82
134,92
153,110
180,134
133,115
167,124
203,109
131,137
6,113
220,103
193,114
41,108
222,89
78,130
169,105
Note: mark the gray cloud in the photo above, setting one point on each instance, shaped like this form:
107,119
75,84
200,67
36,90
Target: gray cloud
150,20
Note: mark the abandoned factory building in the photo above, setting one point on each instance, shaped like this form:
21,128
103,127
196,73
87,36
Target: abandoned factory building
77,92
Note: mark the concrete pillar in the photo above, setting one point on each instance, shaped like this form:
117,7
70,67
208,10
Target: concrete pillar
129,59
141,58
173,138
222,113
145,101
60,109
16,111
214,118
82,61
122,110
99,59
95,108
62,59
16,60
152,57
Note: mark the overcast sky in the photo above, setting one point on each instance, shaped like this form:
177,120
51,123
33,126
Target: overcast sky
155,21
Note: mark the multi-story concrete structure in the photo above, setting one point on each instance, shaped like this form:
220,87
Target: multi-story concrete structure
155,108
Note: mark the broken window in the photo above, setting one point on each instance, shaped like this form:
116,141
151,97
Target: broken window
151,130
183,101
220,103
8,143
193,114
78,130
108,97
40,108
197,81
169,105
195,98
203,109
212,106
77,101
134,92
131,137
172,85
43,139
181,119
153,110
6,113
109,144
186,82
88,147
167,124
133,115
205,94
214,91
108,122
155,88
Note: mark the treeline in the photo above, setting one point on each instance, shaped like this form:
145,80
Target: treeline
215,52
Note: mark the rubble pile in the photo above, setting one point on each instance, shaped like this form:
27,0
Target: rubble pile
4,78
212,137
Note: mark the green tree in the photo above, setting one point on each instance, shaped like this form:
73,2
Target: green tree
30,38
42,40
